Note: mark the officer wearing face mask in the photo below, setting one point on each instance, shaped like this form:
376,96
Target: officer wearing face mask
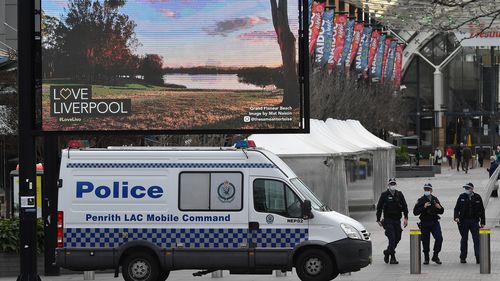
393,204
469,215
428,208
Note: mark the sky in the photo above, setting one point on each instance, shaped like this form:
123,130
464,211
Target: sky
232,33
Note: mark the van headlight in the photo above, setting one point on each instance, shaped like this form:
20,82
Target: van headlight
351,231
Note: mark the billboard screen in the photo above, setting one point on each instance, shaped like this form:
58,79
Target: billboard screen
172,65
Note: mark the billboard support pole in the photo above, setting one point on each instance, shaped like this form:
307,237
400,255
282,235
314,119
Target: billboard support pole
27,152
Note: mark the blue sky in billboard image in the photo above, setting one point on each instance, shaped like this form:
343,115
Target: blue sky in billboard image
191,33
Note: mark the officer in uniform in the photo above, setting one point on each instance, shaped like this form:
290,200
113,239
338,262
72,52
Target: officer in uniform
393,204
429,208
469,215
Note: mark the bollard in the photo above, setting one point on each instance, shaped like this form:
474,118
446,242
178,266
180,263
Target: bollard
280,273
217,274
415,256
89,275
484,251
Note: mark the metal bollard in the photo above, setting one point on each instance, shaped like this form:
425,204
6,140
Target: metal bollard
217,274
484,251
280,273
415,249
89,275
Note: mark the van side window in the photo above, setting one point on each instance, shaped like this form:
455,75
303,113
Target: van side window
211,191
272,196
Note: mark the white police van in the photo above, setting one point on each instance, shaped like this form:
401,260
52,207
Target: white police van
152,210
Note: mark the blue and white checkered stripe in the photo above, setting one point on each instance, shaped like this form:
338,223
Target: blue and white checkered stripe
169,165
190,238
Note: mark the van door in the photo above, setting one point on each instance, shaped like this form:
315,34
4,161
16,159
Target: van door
276,224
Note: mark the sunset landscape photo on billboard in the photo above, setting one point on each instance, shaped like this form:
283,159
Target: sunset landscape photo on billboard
170,65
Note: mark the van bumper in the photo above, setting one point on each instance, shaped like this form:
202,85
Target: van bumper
85,259
351,254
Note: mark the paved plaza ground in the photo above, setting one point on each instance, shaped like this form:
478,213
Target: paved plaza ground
447,187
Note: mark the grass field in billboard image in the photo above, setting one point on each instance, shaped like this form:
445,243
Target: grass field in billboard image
170,65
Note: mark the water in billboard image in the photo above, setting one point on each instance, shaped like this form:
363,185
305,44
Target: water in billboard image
171,65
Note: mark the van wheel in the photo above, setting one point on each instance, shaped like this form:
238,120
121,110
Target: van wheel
315,265
140,267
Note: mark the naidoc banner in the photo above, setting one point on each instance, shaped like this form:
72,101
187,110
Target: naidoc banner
364,48
389,69
310,9
379,56
315,25
373,49
387,46
324,42
338,45
358,31
398,64
349,34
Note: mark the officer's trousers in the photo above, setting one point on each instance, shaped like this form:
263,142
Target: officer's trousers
393,232
465,226
434,228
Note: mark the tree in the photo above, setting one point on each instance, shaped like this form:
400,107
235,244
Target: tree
151,67
287,43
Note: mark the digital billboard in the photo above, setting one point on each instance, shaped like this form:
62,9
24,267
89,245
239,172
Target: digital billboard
172,65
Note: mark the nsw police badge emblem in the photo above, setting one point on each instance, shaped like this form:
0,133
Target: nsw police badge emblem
226,192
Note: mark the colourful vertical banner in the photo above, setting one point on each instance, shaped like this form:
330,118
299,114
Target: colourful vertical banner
389,69
373,49
364,48
315,25
398,64
310,2
338,45
324,42
387,46
379,56
349,34
356,39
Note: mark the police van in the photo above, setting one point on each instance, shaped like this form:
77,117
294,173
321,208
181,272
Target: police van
153,210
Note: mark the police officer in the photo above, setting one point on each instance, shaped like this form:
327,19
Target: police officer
470,216
429,208
392,203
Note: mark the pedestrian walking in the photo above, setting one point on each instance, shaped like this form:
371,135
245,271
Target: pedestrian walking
449,156
438,156
480,156
458,155
393,205
428,208
466,157
493,165
470,217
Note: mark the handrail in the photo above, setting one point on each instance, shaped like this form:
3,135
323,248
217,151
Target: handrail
490,186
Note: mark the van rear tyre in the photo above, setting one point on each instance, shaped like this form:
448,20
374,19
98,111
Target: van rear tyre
141,267
315,265
164,275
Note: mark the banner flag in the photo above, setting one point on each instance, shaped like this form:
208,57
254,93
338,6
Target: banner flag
389,69
338,45
358,32
373,49
398,65
324,42
379,56
387,46
315,26
364,48
310,10
349,34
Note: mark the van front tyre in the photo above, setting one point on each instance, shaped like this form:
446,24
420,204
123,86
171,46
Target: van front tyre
140,267
315,265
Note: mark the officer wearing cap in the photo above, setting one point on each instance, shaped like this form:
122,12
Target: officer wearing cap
469,215
428,208
393,204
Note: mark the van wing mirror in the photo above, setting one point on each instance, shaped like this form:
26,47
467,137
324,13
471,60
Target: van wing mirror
307,210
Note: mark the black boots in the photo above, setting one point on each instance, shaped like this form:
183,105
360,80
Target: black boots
393,259
386,256
436,259
426,258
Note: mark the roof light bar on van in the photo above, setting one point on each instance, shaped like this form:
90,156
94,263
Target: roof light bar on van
60,229
245,144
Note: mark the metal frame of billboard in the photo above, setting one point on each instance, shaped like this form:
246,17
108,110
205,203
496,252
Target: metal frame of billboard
303,75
